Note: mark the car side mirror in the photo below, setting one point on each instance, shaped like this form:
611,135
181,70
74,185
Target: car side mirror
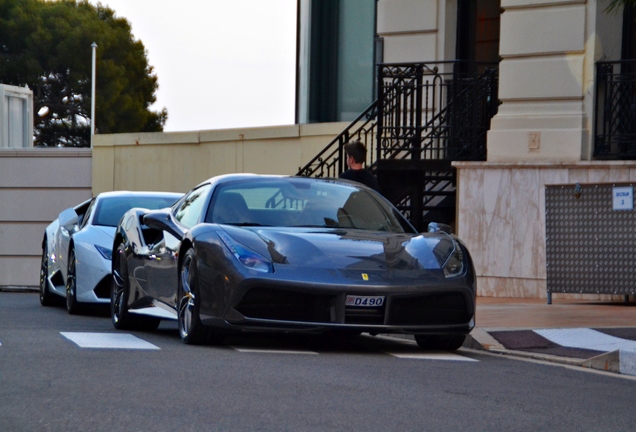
68,219
436,227
160,220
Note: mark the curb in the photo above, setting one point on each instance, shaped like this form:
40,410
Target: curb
621,361
16,288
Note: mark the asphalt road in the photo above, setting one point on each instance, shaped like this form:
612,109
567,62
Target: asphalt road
50,382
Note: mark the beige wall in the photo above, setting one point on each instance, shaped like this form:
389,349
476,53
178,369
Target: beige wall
178,161
546,78
35,186
501,218
417,30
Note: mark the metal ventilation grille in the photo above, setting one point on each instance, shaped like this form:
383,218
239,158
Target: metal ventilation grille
590,247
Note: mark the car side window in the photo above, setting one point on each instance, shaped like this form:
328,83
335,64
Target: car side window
83,217
188,212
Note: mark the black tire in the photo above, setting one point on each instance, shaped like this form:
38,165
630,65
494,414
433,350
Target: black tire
72,305
121,318
191,330
47,298
440,342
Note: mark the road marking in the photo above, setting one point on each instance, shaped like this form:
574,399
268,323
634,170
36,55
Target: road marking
586,338
437,355
272,351
108,340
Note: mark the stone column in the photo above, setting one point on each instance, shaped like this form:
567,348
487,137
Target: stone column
546,86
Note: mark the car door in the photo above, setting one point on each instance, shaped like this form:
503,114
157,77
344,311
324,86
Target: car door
161,264
63,235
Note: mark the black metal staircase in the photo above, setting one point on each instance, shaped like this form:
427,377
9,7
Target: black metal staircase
426,116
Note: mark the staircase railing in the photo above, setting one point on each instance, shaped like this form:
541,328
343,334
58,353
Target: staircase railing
435,111
330,162
429,112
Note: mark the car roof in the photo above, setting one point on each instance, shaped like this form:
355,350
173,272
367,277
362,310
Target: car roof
244,176
123,194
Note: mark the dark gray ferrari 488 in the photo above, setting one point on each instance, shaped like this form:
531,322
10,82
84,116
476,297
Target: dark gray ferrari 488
248,252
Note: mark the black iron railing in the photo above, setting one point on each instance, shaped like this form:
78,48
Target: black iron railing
435,111
426,116
425,111
330,161
615,110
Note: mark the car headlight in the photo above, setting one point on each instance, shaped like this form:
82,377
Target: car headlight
454,265
248,258
105,252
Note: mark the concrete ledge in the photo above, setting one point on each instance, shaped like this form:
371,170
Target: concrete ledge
481,339
621,361
627,361
608,362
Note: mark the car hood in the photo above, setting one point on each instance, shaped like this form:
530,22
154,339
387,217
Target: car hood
96,235
346,249
105,234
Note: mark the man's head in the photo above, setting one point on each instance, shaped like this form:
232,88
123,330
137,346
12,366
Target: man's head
357,151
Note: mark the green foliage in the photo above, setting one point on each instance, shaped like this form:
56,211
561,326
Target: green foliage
46,45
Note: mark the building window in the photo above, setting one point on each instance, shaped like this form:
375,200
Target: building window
336,59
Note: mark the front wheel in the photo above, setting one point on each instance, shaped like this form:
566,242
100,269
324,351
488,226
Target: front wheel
72,305
46,296
440,342
121,318
191,330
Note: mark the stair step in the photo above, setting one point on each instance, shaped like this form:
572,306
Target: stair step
440,207
438,193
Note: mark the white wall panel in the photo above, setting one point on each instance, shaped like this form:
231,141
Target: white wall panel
35,186
38,205
406,16
20,271
542,77
410,48
545,30
20,238
50,171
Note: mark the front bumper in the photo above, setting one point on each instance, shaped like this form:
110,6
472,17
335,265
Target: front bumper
310,308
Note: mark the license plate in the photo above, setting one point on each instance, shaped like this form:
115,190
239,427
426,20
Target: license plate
364,301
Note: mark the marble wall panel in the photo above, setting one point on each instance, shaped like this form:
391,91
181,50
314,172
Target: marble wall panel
511,287
501,219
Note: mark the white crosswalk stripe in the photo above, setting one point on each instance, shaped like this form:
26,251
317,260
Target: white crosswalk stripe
108,341
129,341
586,338
439,355
272,351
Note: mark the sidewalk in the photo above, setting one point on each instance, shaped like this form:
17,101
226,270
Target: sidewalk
586,333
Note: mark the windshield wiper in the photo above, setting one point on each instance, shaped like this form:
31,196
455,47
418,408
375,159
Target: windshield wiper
246,224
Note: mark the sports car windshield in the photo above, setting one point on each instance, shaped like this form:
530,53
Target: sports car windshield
293,202
109,210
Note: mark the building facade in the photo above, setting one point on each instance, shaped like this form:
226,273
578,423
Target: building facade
564,117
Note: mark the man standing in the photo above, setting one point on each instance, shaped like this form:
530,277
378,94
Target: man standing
356,156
